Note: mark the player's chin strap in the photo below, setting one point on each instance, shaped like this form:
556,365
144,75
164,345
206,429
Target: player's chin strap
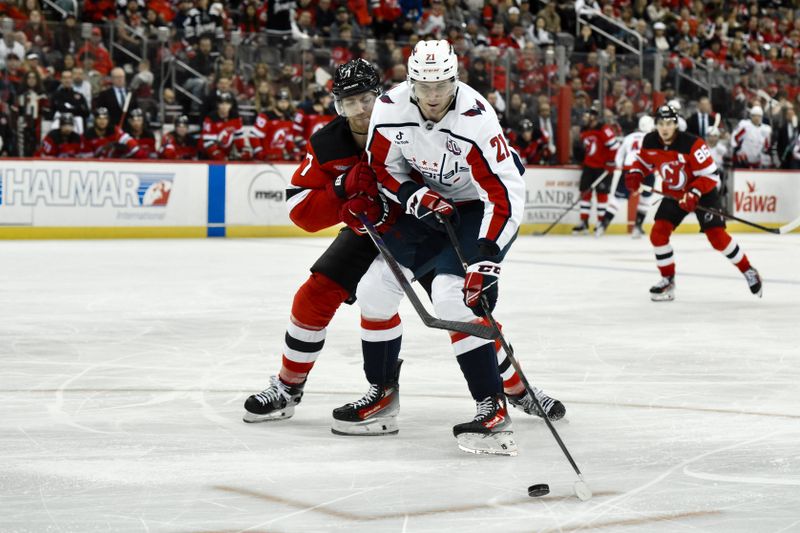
451,233
794,224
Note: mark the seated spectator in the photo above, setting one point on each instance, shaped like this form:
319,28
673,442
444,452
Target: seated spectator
144,138
531,144
586,41
179,143
8,45
312,116
274,132
61,142
106,141
223,136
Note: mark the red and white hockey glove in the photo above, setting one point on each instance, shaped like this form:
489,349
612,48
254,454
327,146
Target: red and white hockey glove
482,276
689,201
633,180
425,204
360,179
376,209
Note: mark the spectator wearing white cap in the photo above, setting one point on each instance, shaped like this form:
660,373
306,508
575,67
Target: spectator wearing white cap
660,40
752,141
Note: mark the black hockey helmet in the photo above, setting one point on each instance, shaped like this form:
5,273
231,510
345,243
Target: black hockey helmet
525,125
66,119
355,77
136,113
225,97
284,94
181,120
666,112
101,112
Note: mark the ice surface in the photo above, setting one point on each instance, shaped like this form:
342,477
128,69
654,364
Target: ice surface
124,366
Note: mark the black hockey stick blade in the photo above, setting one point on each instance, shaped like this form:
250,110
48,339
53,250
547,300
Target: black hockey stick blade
470,328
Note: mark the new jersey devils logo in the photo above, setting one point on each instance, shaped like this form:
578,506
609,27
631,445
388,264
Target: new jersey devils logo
673,175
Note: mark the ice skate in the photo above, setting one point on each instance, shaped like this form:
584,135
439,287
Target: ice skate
276,402
524,402
753,280
637,232
490,431
374,414
600,229
664,290
581,229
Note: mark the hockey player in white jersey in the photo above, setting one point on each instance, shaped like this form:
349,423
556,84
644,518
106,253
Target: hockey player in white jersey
438,150
623,162
752,141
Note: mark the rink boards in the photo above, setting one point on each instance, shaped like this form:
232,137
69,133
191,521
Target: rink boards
101,199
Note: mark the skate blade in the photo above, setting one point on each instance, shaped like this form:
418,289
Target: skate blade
501,443
668,297
374,427
253,418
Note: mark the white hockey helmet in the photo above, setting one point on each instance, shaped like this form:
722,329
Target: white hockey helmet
646,124
756,110
675,104
713,131
432,61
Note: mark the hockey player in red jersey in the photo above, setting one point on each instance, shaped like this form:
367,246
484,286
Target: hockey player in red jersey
274,131
179,143
600,146
690,178
311,117
223,137
104,141
141,134
62,142
332,181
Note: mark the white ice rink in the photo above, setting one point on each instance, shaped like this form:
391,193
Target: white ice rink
124,366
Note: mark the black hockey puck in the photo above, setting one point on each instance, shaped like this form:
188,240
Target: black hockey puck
534,491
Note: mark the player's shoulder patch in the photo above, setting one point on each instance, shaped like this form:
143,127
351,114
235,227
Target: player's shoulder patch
334,141
477,109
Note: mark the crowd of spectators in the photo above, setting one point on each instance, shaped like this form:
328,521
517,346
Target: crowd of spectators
249,79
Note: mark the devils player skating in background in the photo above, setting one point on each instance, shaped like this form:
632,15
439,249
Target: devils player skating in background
328,184
600,149
690,178
429,137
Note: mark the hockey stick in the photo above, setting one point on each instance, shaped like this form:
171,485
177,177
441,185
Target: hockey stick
470,328
777,231
594,184
582,490
125,109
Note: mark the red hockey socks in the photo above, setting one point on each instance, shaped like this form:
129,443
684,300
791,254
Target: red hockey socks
659,237
723,242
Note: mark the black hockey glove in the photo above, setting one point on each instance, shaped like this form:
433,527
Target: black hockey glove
482,276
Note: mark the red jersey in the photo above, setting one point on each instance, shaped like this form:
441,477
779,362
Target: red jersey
684,164
220,136
600,146
56,144
145,146
273,138
309,122
111,144
174,147
331,152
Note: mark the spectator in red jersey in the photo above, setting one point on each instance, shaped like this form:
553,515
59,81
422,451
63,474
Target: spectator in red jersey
145,140
223,136
107,141
63,141
179,143
312,116
95,48
274,132
531,144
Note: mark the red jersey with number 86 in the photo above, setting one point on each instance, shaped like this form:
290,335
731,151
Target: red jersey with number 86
684,164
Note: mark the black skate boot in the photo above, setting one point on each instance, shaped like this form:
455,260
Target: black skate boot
524,402
753,280
374,414
664,290
582,228
276,402
490,431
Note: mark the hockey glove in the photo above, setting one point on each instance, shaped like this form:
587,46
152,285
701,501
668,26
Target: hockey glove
483,273
376,209
633,181
360,179
425,204
689,200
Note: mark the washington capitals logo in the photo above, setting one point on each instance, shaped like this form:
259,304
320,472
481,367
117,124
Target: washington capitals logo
452,147
475,110
386,99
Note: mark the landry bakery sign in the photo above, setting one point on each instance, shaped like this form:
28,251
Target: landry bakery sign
549,191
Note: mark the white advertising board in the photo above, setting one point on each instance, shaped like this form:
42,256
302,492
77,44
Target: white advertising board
255,194
766,196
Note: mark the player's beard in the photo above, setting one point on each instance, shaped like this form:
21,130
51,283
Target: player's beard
359,125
